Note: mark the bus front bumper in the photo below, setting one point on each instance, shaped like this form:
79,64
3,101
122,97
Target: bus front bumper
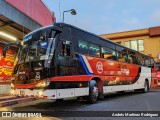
51,93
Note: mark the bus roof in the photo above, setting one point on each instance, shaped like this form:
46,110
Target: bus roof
104,39
65,24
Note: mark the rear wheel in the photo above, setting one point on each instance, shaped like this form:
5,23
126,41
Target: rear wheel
59,100
146,87
93,92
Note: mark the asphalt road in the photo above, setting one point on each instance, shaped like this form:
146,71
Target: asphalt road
114,103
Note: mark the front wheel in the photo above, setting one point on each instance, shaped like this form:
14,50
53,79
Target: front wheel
93,92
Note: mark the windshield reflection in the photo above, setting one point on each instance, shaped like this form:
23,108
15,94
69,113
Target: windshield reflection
37,48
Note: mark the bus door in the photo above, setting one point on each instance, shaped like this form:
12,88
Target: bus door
64,53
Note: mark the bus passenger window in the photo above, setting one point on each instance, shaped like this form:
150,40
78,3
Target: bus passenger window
130,59
149,62
133,59
82,47
94,50
122,57
139,58
66,48
108,53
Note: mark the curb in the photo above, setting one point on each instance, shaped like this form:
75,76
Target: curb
15,101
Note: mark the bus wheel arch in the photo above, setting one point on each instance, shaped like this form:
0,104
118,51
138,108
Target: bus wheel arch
93,92
99,86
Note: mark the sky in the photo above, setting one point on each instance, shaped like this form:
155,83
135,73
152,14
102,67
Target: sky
107,16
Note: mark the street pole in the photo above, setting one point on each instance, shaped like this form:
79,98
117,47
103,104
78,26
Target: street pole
73,12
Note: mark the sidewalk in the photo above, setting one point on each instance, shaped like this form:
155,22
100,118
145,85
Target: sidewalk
7,100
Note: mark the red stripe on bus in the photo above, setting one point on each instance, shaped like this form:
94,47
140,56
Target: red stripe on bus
45,96
73,78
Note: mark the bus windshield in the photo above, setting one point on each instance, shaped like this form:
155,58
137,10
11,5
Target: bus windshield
37,46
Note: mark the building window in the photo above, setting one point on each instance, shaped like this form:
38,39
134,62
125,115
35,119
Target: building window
137,45
134,45
127,44
140,45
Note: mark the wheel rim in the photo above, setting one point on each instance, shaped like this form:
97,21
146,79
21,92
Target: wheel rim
95,94
145,86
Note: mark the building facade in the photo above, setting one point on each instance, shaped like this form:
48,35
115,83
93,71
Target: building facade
146,40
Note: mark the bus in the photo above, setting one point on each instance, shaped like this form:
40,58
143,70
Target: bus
62,61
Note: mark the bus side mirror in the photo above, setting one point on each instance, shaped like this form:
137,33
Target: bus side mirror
6,47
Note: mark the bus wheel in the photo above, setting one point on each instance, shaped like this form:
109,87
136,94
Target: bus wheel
146,88
59,100
93,92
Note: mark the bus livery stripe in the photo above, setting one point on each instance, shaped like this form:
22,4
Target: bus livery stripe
86,65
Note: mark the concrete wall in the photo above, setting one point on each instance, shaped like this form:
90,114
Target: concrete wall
18,17
34,9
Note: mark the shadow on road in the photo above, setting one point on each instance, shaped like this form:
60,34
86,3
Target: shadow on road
73,103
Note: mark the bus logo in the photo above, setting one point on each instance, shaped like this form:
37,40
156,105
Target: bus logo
99,67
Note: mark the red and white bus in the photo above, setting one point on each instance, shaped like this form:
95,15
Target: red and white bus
61,61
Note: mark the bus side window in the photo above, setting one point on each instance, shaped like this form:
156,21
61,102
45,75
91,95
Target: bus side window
152,62
94,50
143,61
149,62
122,57
66,48
130,59
82,47
139,58
108,53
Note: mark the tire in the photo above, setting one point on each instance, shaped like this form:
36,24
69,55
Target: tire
59,100
146,87
93,92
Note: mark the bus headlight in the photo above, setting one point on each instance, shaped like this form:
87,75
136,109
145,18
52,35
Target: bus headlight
44,83
12,85
12,92
40,93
